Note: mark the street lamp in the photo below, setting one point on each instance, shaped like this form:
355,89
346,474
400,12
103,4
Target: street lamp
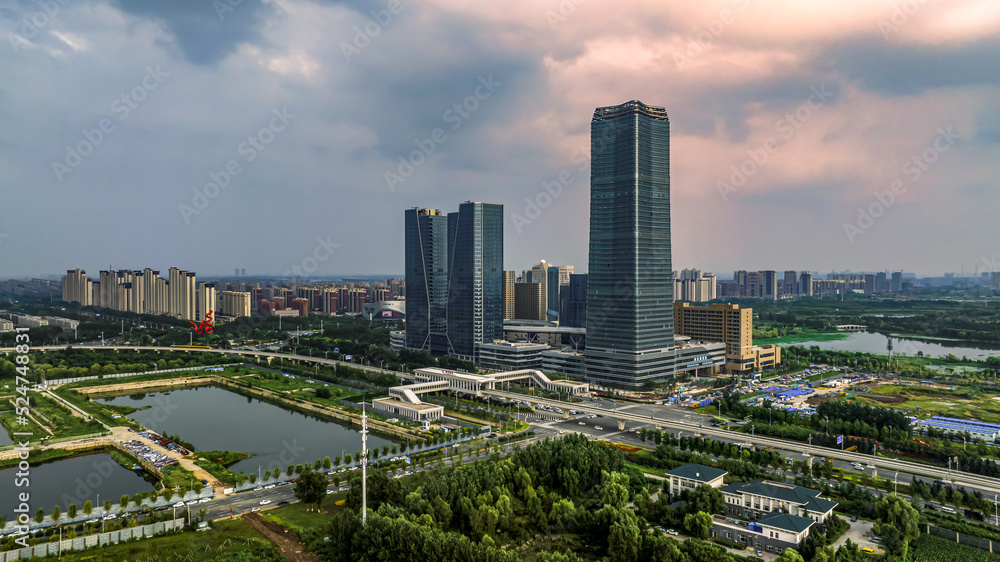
894,483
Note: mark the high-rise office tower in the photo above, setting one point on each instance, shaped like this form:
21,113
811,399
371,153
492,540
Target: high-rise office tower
475,277
574,314
880,283
426,281
556,279
508,294
897,282
630,329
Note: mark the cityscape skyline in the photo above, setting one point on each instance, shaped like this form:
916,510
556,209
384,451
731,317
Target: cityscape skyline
781,121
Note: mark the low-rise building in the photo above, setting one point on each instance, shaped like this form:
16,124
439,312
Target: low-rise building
761,498
689,476
773,533
503,355
6,326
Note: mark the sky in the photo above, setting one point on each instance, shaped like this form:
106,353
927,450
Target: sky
291,135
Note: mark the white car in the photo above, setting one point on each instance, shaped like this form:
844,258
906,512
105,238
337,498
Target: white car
255,509
598,428
179,504
583,423
204,500
265,502
258,488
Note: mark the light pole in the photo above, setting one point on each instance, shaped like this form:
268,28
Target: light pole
996,507
894,483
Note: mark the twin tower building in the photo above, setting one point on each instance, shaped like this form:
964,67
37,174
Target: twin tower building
454,262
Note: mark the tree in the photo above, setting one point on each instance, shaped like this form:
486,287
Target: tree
897,522
39,515
123,501
623,537
707,499
789,555
348,459
615,491
698,525
107,505
72,510
56,513
327,463
310,488
563,513
291,469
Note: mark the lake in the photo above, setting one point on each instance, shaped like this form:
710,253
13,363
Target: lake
875,343
215,419
74,480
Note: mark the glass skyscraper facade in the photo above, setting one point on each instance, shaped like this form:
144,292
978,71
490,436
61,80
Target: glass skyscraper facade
630,332
475,277
426,280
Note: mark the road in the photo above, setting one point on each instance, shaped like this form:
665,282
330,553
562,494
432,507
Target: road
673,418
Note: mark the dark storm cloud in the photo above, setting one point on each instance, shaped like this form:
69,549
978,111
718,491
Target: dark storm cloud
908,70
206,31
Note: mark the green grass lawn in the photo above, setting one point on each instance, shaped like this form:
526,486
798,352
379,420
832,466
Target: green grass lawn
294,515
961,403
225,537
65,423
803,335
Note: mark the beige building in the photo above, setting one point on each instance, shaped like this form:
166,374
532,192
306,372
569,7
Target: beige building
730,324
508,295
529,301
77,287
234,303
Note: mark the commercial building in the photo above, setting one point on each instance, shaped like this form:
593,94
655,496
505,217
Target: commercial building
6,325
760,498
557,279
769,284
503,355
630,332
454,279
508,294
970,429
730,324
790,285
897,282
427,280
574,311
384,310
475,277
529,301
689,476
806,284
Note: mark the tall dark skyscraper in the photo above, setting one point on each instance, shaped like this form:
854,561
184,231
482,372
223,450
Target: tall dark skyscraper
426,280
630,328
475,277
574,313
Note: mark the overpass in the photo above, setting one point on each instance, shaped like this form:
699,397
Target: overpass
983,483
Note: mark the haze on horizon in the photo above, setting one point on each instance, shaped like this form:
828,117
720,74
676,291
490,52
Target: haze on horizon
786,119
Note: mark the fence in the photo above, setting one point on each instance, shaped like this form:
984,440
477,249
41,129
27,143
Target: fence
961,538
53,382
100,539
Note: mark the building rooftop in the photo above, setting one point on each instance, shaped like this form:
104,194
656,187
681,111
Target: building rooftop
634,106
783,492
786,522
696,472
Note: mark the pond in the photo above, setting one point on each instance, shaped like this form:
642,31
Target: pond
212,418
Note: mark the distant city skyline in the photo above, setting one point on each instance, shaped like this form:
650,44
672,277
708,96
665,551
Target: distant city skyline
288,134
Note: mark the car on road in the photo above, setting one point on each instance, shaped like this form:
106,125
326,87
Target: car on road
672,532
110,517
583,423
204,500
269,486
179,504
866,550
329,491
258,488
854,519
265,502
598,428
283,502
255,508
946,509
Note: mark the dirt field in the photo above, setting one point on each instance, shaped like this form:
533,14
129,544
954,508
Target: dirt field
289,544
